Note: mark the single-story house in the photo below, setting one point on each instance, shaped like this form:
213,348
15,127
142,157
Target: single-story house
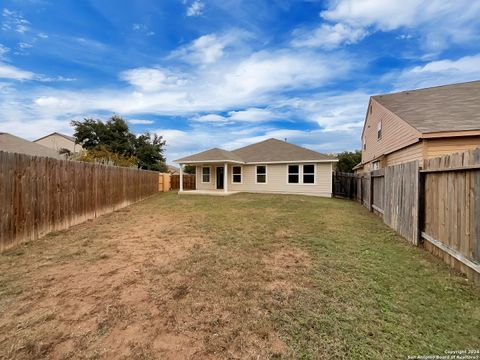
420,124
270,166
59,141
15,144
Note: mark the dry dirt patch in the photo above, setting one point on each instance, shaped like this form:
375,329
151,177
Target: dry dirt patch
142,283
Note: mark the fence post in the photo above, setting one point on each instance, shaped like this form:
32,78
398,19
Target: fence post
370,202
420,204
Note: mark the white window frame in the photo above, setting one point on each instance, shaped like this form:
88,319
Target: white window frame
379,130
266,174
209,175
376,165
314,174
241,174
299,171
300,174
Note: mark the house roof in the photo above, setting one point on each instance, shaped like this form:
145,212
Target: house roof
212,155
271,150
71,138
15,144
453,107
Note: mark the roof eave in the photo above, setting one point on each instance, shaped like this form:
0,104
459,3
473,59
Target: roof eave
181,161
291,161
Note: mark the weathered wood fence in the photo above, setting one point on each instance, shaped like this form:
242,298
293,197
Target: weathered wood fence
39,195
450,223
188,182
436,206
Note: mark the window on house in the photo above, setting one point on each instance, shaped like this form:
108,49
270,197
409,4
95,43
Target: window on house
379,130
370,109
261,174
205,174
293,174
364,144
237,174
376,165
309,174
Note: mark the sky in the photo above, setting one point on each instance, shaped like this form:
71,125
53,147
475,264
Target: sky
226,73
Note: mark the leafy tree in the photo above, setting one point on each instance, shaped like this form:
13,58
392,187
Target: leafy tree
114,134
347,160
149,151
114,140
189,169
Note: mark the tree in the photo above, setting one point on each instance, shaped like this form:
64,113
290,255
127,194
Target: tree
189,169
347,160
149,151
114,140
114,134
103,155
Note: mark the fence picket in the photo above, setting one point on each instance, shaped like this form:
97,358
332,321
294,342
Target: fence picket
39,195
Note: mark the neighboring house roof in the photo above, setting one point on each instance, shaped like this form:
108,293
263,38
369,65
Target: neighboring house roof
71,138
268,151
15,144
453,107
173,169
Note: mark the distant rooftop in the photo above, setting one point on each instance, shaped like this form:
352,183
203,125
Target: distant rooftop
15,144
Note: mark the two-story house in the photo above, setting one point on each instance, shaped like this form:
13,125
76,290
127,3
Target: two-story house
420,124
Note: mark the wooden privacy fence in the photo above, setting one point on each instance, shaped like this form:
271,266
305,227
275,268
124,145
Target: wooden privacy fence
344,185
188,182
437,206
450,226
164,182
39,195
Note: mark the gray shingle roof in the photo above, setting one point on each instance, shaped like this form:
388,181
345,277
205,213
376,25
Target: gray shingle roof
271,150
15,144
278,150
453,107
211,155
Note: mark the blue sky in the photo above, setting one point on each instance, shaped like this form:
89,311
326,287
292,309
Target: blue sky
226,73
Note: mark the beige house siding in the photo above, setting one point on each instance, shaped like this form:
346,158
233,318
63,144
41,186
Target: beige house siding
198,177
409,153
58,142
443,146
396,133
276,180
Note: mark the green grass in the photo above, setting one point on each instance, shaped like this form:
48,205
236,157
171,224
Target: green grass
244,276
367,295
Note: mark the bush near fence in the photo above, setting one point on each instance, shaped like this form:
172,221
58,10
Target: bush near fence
436,206
39,195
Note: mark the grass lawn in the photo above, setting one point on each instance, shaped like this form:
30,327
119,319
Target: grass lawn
244,276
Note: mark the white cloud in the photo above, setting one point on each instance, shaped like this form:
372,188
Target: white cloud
14,73
206,49
437,22
211,118
14,21
140,121
195,8
3,50
328,36
143,28
151,79
438,72
253,115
